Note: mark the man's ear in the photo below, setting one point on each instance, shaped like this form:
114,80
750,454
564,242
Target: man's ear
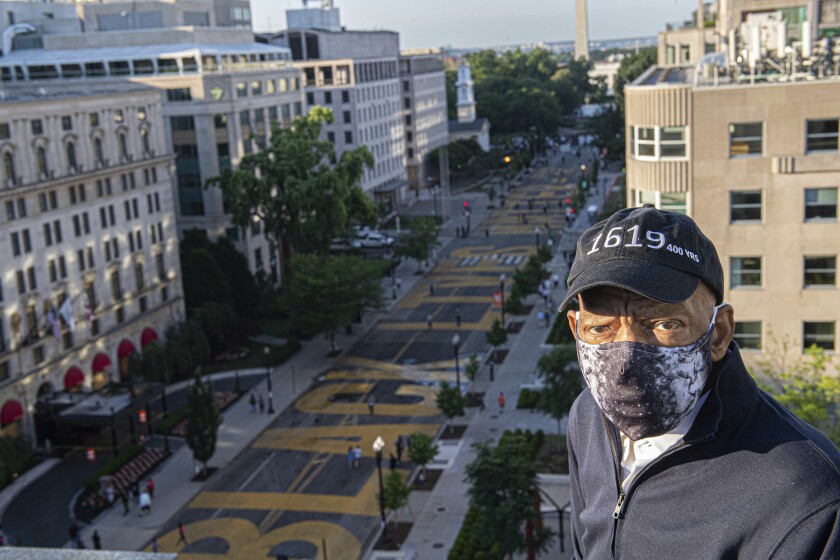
724,329
571,315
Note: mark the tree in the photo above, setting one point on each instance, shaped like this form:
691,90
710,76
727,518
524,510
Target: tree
17,457
421,450
562,382
395,491
218,322
450,401
326,293
472,367
203,280
292,189
504,489
496,336
419,241
203,420
243,288
631,68
804,388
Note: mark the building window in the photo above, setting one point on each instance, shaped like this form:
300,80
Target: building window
331,137
346,117
327,98
9,167
161,268
178,94
819,334
310,98
672,202
93,119
821,135
31,279
745,206
38,354
144,140
820,271
241,89
98,153
821,204
71,156
748,335
348,137
41,160
256,87
745,139
220,120
745,271
116,286
244,117
37,126
672,142
345,96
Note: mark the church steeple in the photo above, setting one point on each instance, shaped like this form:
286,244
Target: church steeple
466,98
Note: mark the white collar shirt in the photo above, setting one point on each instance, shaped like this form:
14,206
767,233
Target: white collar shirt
636,455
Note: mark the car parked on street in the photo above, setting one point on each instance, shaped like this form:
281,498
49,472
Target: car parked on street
374,239
342,245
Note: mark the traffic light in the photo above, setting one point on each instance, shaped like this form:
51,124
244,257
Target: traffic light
507,160
466,205
583,184
568,202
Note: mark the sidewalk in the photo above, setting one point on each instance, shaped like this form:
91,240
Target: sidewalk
240,428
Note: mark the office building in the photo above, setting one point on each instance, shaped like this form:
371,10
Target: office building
424,113
87,238
220,92
357,75
746,143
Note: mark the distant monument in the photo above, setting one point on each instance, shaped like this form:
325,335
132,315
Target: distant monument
468,126
581,30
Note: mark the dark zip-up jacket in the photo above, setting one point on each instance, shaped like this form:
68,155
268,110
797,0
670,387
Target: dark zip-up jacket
749,480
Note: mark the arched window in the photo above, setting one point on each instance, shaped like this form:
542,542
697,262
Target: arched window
9,167
41,156
144,138
71,155
123,146
97,151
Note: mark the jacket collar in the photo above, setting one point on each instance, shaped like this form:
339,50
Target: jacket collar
733,391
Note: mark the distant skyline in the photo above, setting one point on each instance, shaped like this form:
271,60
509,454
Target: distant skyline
487,23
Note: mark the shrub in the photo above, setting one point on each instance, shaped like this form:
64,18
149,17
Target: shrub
91,483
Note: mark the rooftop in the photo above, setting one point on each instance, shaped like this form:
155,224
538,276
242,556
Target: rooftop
476,125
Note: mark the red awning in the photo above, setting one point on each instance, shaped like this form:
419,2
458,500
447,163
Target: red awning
73,378
101,362
125,349
11,412
149,335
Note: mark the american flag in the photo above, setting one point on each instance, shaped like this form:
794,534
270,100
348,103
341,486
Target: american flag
52,319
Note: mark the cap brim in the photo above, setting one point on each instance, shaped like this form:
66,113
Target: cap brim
654,281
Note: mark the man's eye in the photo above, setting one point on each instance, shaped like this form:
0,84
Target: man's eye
666,325
597,329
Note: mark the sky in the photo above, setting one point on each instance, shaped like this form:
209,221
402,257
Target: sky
485,23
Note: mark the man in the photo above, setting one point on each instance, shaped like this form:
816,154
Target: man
674,452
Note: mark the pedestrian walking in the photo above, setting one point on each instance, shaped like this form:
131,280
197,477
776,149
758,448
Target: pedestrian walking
501,403
253,402
97,541
399,446
486,233
109,494
392,462
145,503
261,404
492,370
394,293
135,491
182,535
154,545
350,457
431,288
429,320
541,317
555,279
371,404
357,456
124,498
481,403
399,283
150,488
457,316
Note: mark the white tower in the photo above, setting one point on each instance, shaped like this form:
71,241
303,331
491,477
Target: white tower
466,99
581,30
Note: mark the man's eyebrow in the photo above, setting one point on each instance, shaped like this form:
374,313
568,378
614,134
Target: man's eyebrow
657,308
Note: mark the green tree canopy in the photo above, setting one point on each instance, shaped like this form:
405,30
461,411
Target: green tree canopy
450,401
421,451
203,420
297,188
325,293
505,491
420,239
497,335
395,491
203,280
562,382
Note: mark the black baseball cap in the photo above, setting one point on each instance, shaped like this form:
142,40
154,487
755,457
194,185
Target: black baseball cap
658,254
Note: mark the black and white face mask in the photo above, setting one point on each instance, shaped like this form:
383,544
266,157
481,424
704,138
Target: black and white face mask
646,390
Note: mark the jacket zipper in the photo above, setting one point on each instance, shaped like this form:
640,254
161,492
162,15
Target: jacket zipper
617,466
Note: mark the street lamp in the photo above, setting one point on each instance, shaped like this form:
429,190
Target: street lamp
537,236
455,341
502,289
378,445
267,351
